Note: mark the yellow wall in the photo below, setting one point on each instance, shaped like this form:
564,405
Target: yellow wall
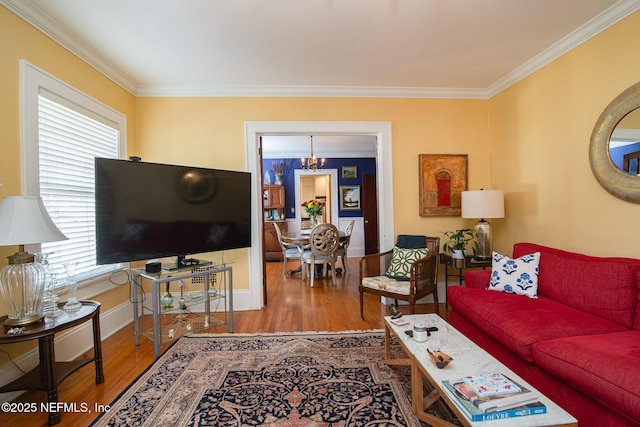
22,41
210,132
539,134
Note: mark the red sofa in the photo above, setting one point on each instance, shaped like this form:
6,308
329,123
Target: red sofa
578,342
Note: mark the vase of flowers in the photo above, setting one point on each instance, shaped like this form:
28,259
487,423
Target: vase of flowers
314,208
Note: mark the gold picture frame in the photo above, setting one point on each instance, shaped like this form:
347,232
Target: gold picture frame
350,197
443,178
349,172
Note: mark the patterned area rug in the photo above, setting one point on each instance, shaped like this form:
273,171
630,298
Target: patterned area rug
337,379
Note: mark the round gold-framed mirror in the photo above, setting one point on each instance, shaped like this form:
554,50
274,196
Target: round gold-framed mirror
623,184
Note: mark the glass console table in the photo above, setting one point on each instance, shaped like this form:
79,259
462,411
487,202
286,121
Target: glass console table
173,301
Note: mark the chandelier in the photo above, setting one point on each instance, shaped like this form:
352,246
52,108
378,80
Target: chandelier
312,162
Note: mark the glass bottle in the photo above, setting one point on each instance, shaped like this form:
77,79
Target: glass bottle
73,305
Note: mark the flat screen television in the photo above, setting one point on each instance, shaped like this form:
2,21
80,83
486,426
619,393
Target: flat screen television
151,210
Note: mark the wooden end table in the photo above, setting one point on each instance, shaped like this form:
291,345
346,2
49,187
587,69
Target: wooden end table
49,373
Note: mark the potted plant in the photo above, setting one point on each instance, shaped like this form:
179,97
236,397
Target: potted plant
458,242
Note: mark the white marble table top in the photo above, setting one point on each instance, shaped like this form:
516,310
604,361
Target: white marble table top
468,359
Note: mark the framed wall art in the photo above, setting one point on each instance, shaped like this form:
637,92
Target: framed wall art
350,197
349,172
443,177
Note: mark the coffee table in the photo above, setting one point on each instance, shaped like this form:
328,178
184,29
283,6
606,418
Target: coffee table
468,358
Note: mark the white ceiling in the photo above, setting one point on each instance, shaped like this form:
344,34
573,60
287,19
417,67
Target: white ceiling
386,48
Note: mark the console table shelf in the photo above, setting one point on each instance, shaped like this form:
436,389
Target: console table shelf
182,317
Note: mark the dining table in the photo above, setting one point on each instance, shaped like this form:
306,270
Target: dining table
301,238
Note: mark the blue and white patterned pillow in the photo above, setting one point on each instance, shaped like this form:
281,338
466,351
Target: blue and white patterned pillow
515,276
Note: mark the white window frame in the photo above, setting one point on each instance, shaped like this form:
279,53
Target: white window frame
33,81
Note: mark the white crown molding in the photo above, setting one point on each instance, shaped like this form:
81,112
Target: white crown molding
609,17
313,92
40,21
35,17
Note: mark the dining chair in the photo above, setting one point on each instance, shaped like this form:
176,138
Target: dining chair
344,245
289,250
408,272
323,249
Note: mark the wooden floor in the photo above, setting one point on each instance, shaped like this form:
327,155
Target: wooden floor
292,307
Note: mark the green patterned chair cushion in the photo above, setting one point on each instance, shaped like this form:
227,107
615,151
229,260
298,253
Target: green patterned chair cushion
401,260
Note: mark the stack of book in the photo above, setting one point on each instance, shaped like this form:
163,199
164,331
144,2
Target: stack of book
492,396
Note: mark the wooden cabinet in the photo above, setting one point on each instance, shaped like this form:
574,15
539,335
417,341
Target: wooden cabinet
273,207
273,196
272,250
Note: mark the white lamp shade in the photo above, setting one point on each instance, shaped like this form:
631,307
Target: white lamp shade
24,220
483,204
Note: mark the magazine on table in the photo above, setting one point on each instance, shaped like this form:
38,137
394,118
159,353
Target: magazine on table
509,400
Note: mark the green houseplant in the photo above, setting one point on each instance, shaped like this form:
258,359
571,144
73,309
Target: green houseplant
458,242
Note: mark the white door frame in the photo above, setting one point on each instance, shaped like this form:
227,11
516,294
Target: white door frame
333,173
253,131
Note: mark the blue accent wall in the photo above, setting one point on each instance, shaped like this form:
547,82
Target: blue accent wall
364,165
617,156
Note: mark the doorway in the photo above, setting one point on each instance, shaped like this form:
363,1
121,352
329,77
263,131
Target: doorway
253,132
312,185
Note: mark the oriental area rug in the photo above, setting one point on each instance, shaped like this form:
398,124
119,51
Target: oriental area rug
298,379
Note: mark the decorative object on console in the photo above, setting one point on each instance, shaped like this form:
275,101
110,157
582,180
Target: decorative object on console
483,204
518,277
24,220
312,162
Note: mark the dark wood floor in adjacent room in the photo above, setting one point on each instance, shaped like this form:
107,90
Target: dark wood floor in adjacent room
292,307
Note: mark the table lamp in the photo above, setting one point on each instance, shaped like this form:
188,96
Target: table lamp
483,204
23,221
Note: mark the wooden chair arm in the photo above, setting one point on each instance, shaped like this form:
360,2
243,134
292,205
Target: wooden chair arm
424,272
374,264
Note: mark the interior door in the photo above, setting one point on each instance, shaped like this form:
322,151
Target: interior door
370,213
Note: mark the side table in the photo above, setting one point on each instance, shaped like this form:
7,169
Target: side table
49,374
458,269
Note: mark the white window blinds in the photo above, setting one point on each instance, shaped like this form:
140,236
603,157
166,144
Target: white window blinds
69,139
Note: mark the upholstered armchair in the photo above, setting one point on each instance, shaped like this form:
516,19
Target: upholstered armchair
408,272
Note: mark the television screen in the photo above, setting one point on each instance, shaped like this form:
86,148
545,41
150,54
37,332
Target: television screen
150,210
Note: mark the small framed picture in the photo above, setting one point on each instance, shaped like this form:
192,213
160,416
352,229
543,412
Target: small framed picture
349,172
350,197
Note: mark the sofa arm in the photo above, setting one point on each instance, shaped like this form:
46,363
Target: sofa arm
477,278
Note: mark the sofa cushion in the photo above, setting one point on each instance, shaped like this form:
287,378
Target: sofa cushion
515,276
602,366
387,284
401,260
519,322
606,287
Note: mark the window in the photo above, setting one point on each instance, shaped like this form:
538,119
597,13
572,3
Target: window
63,131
